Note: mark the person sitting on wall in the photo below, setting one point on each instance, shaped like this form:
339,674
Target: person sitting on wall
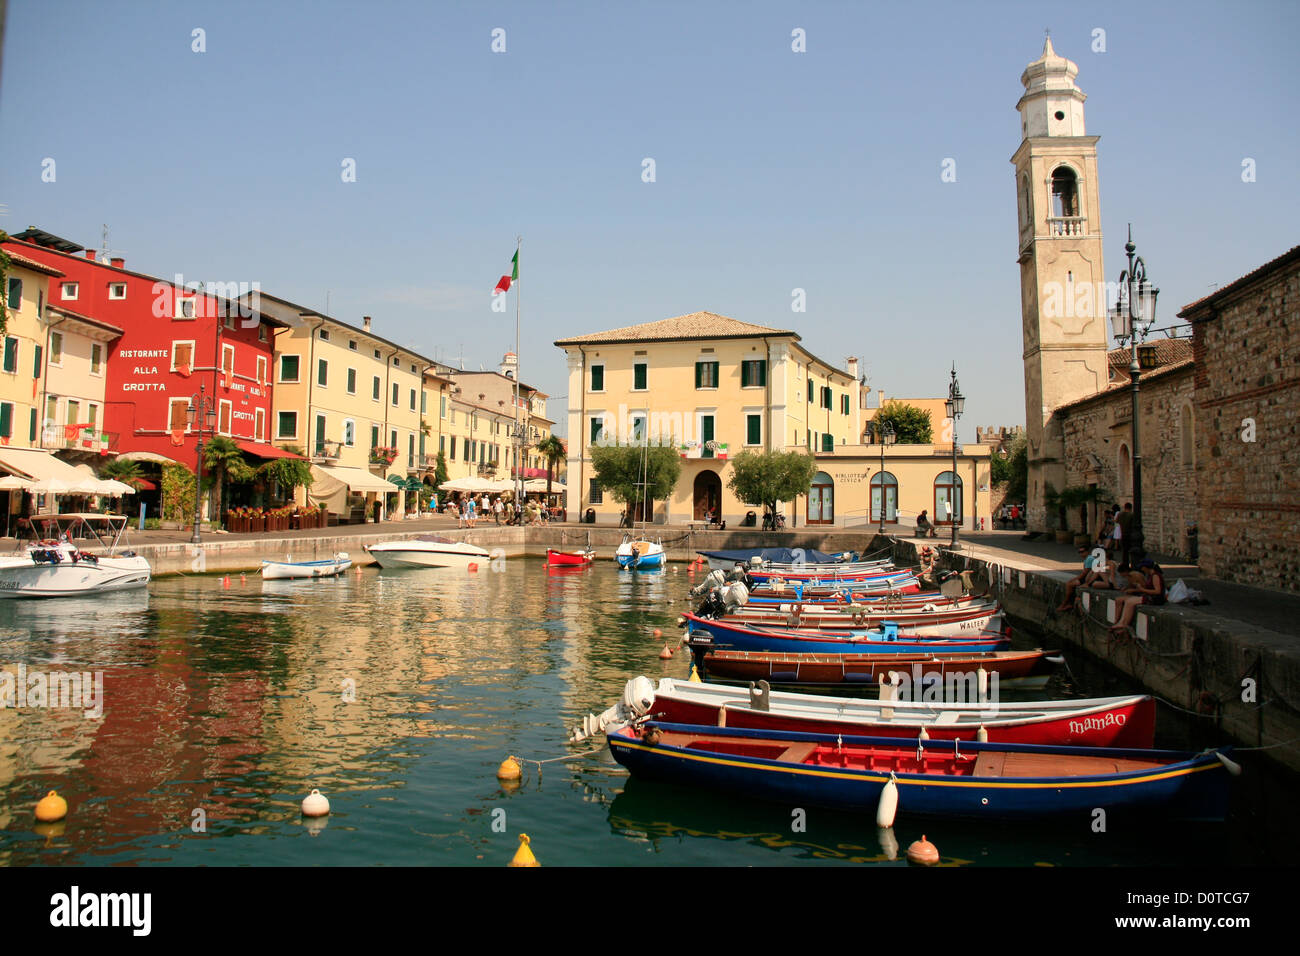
923,525
1149,590
1085,578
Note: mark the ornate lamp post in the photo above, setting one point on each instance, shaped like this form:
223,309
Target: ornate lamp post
1133,315
200,416
884,434
954,406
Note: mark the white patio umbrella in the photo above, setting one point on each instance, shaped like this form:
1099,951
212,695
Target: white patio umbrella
114,488
14,483
52,486
472,485
539,484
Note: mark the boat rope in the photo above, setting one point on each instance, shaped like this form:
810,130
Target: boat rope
585,753
1284,743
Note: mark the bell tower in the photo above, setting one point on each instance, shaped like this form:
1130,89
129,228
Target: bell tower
1062,279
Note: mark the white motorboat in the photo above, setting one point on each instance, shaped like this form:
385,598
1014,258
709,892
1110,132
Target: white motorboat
283,570
54,567
427,551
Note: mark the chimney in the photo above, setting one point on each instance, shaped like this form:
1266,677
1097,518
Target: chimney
851,364
365,322
90,254
880,397
118,262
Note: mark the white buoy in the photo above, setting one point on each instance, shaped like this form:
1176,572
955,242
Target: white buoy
982,735
1231,766
315,805
888,843
888,806
923,735
983,678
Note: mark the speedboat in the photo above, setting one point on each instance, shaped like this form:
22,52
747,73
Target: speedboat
54,567
426,551
639,554
282,570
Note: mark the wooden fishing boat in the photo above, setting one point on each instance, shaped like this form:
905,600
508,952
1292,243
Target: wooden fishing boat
960,622
1101,722
639,554
785,558
830,576
830,670
1007,781
704,632
283,570
906,613
569,559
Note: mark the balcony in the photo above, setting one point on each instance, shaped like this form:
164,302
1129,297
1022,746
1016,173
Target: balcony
1066,225
327,451
82,438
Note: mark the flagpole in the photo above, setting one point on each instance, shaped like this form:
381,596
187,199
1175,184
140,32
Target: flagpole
519,465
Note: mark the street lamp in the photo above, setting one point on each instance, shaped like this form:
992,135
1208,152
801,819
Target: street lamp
200,416
883,433
1133,315
954,406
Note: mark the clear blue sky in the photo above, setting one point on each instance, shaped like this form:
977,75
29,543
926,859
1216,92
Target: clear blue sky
775,170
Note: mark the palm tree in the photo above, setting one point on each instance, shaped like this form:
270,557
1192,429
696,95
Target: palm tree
225,462
127,472
552,449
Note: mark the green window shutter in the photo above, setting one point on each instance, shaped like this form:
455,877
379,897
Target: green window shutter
11,355
352,381
762,373
744,375
755,429
595,430
6,419
699,367
639,377
828,443
31,428
15,293
810,390
598,378
36,366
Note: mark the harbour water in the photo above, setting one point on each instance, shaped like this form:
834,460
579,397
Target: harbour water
398,693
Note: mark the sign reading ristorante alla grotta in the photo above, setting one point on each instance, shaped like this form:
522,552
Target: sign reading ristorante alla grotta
156,363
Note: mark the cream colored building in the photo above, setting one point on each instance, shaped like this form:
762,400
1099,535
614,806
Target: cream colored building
22,363
714,386
72,392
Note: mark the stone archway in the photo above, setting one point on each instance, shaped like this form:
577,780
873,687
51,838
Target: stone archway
707,495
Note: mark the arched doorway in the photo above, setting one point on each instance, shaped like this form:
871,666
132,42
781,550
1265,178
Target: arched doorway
947,489
883,479
708,495
821,500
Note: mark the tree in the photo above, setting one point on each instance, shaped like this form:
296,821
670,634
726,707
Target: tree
1013,469
5,263
771,476
439,472
911,424
225,462
127,472
621,470
552,449
288,473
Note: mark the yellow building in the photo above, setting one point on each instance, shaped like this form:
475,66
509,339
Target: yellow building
22,368
72,391
715,386
356,404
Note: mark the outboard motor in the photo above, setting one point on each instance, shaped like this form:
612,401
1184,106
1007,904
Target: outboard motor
734,595
638,698
714,579
713,606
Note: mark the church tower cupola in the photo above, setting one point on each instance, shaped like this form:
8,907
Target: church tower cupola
1052,104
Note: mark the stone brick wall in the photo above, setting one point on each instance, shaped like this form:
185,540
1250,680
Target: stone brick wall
1248,426
1096,429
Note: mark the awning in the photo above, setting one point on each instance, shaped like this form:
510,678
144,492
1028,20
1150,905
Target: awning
262,450
356,479
147,456
40,465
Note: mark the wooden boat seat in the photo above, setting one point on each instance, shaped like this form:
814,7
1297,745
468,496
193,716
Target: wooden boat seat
798,753
1050,765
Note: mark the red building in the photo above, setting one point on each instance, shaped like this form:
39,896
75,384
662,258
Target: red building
175,341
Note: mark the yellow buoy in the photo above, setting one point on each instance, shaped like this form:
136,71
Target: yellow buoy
51,808
510,769
315,805
923,852
695,676
523,856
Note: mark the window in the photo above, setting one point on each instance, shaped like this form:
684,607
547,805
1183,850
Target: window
442,406
288,368
810,390
6,419
225,409
753,373
469,451
597,425
706,374
15,299
828,443
376,353
324,335
74,412
117,290
352,344
1065,194
595,494
392,438
442,445
261,333
374,391
826,396
374,436
349,432
947,489
182,355
397,362
185,307
410,451
31,428
69,290
412,399
56,349
844,404
706,436
597,378
638,423
424,402
36,365
321,425
352,381
753,429
396,392
286,425
453,448
322,373
639,376
177,415
261,370
11,354
821,500
96,359
228,359
259,426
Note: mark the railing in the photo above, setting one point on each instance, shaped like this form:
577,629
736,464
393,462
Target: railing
86,439
1066,225
330,450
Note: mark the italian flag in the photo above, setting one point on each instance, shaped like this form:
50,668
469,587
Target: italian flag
504,284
